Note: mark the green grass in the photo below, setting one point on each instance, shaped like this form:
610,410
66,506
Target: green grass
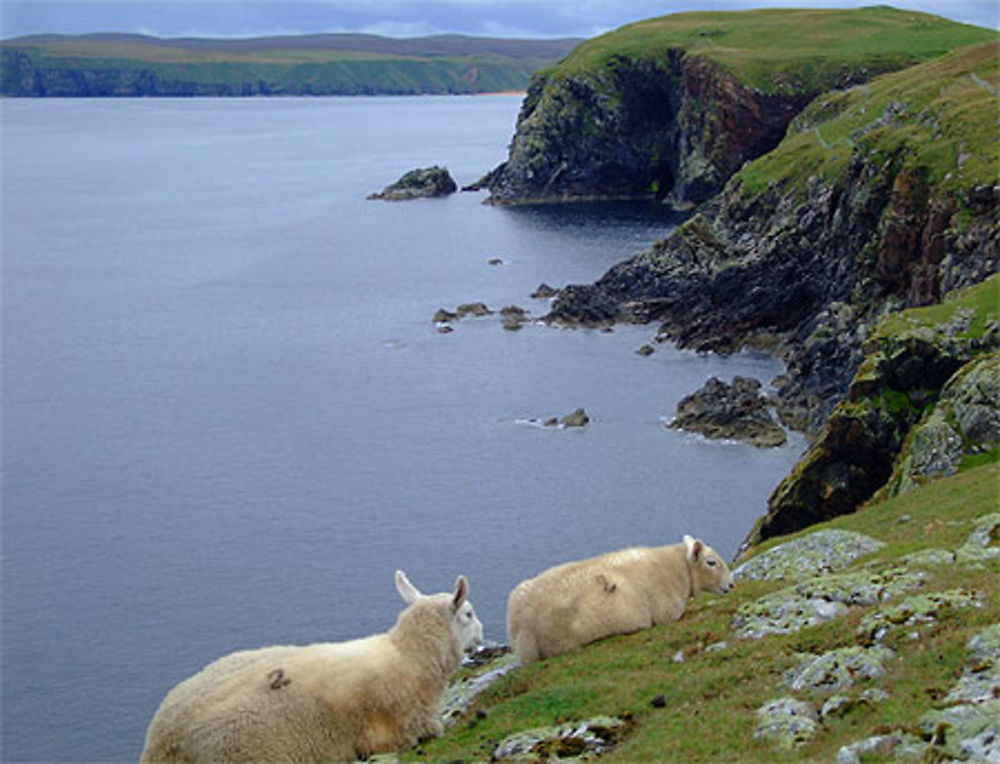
785,50
937,119
711,696
982,299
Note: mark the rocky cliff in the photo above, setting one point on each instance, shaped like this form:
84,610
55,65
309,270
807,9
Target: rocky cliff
879,198
672,107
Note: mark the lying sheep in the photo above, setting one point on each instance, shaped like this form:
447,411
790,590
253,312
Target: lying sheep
575,603
323,702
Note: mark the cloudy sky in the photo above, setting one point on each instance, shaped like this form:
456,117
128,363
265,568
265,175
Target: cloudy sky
397,18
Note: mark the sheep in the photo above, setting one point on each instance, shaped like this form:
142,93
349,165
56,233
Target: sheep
322,702
616,593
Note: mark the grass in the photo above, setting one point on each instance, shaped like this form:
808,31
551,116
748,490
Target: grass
785,50
982,299
711,697
937,119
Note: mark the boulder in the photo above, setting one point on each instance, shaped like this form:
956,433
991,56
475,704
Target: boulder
416,184
736,412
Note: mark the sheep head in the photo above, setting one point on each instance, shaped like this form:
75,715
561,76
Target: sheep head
708,570
465,626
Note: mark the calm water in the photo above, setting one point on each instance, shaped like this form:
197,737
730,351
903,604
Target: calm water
228,418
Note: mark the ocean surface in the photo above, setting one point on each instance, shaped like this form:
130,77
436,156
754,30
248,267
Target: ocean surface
228,417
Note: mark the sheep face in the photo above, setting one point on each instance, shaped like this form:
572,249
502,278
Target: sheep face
708,570
465,627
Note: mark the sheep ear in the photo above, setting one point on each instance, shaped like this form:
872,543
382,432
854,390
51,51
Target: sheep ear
461,592
407,591
694,548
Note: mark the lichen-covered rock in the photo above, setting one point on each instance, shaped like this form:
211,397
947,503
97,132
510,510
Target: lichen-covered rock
820,599
416,184
980,680
882,747
787,723
814,554
460,692
966,420
930,558
966,731
913,610
733,412
569,740
839,669
983,543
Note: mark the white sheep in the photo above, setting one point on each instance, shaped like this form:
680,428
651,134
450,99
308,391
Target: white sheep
616,593
322,702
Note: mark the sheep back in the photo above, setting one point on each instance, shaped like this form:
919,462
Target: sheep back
575,603
321,702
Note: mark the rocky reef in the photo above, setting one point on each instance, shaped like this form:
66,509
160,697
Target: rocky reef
418,184
670,108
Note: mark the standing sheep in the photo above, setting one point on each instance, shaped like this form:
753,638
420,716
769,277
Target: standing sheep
578,602
322,702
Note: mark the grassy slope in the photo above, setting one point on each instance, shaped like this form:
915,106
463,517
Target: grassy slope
784,50
712,696
939,117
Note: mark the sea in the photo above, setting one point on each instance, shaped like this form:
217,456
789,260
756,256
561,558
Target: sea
228,416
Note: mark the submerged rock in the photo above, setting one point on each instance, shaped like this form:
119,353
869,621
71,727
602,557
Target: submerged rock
735,412
416,184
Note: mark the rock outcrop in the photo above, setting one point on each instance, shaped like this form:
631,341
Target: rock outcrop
731,412
417,184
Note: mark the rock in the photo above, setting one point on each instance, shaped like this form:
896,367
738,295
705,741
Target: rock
787,723
443,316
645,350
820,599
578,418
966,731
980,680
734,412
966,420
544,292
494,260
913,610
493,663
813,554
416,184
837,670
473,309
572,739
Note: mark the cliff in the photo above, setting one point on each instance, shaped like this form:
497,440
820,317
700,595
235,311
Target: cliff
136,65
670,108
879,198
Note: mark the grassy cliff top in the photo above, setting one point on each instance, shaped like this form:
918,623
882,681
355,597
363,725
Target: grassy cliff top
785,50
938,118
285,49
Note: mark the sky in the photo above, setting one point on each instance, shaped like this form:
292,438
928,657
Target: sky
399,18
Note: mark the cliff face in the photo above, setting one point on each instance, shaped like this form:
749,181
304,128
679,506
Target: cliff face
677,127
879,198
670,108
